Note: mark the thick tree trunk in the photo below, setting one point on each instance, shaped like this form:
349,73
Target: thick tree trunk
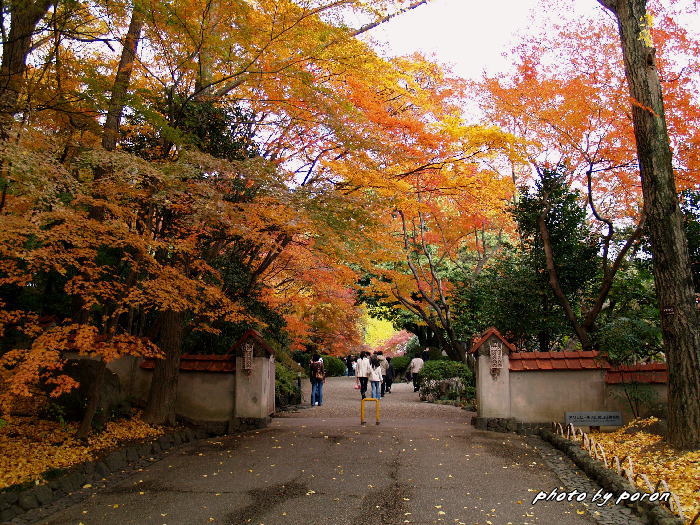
24,17
672,276
93,402
160,406
122,80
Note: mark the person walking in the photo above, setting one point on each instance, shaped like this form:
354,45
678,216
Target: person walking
348,365
414,368
362,371
384,365
389,377
317,374
375,377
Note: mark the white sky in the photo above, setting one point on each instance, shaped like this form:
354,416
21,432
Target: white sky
471,35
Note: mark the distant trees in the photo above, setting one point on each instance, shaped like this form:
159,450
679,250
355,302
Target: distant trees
542,288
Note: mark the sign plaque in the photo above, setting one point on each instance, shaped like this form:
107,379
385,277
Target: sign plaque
594,419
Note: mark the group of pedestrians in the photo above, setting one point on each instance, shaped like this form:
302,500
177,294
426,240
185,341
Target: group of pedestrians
371,370
376,371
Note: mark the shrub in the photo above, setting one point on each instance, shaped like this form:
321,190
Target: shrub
444,369
303,358
284,356
286,391
413,348
640,397
333,366
627,340
440,378
400,365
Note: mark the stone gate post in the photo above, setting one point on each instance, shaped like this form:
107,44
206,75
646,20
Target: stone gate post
492,353
255,382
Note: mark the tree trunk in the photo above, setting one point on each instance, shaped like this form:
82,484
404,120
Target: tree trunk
93,402
121,81
24,17
672,276
210,22
160,407
581,333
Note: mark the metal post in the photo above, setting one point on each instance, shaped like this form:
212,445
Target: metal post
362,409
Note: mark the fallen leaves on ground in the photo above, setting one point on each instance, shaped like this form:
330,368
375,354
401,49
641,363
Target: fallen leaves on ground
652,456
30,446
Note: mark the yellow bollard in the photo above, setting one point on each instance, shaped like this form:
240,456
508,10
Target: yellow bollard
362,409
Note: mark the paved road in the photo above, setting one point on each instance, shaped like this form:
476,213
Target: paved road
425,464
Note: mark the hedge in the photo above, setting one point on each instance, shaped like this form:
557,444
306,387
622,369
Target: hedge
434,372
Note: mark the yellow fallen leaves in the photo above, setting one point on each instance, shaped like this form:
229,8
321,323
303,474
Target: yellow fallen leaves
29,446
652,456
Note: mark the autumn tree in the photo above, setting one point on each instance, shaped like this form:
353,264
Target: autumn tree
555,224
674,286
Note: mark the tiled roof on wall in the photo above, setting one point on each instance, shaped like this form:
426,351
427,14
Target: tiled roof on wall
590,360
255,335
488,333
200,363
644,373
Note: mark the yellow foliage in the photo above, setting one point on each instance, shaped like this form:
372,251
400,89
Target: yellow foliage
653,457
377,331
30,447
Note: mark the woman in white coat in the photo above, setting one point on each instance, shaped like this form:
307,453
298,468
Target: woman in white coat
375,377
362,370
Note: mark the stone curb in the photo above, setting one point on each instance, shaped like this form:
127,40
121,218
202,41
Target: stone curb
651,512
509,424
15,500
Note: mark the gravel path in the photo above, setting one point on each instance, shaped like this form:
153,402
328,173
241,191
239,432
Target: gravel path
424,464
572,477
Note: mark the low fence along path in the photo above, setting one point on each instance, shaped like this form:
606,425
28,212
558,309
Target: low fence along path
424,464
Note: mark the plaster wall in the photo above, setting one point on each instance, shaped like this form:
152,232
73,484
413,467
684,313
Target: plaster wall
201,396
541,396
205,396
126,369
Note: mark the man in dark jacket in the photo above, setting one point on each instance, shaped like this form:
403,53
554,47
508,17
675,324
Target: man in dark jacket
389,378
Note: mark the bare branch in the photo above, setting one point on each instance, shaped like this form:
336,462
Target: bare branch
388,17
